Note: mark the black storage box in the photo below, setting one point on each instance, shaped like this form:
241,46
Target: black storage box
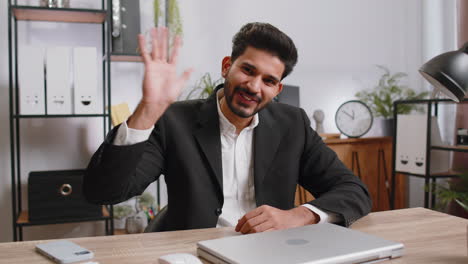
58,195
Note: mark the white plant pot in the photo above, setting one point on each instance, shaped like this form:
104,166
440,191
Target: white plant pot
381,127
119,223
136,223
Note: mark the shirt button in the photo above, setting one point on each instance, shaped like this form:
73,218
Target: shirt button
218,211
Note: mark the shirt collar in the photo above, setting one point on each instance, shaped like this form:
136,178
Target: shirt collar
224,125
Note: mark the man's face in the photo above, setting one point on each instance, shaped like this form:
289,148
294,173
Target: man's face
251,81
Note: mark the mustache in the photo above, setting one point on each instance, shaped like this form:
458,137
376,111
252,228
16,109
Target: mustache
250,94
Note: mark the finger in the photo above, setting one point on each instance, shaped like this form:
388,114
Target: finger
253,224
240,223
163,44
175,50
267,225
183,79
186,75
246,217
154,43
142,45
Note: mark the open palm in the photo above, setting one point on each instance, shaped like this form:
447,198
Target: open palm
161,84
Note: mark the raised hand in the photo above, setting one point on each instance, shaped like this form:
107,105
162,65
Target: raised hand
161,84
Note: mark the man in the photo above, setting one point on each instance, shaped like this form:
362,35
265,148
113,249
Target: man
233,159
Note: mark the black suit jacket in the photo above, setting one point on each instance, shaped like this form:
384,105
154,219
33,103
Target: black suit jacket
185,146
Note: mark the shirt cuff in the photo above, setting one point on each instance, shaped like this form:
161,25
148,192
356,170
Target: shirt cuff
325,217
128,136
322,215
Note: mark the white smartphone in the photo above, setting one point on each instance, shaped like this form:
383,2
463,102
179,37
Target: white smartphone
64,251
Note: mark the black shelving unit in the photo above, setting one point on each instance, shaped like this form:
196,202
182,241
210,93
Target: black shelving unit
125,57
17,13
430,178
135,58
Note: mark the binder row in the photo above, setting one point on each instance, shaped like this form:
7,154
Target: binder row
58,80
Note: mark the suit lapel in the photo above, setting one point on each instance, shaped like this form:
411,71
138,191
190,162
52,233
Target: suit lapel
208,137
267,136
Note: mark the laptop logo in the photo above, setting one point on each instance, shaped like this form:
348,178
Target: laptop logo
296,242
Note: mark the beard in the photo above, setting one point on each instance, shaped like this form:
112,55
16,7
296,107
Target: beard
239,109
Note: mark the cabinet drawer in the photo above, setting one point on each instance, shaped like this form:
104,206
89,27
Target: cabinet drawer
58,195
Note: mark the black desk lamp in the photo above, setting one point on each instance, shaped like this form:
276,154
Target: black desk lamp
448,73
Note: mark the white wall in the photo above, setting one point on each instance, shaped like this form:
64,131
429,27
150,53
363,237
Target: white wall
439,35
339,43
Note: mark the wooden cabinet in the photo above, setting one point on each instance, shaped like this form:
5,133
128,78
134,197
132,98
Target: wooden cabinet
371,160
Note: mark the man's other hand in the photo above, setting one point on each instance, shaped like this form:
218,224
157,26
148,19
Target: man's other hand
267,218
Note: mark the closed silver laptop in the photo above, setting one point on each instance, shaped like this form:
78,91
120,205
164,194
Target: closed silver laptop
322,243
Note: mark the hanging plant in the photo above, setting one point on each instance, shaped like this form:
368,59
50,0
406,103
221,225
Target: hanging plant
157,12
174,21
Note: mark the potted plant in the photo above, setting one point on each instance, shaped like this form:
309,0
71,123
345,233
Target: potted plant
145,202
121,212
455,195
388,90
145,207
204,87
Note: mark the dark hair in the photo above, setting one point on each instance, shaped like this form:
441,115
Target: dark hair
266,37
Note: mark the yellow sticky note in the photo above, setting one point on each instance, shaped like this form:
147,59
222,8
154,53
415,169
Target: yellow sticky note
119,113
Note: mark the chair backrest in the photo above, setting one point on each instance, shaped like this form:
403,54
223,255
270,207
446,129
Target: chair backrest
156,224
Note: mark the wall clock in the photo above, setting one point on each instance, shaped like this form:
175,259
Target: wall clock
353,118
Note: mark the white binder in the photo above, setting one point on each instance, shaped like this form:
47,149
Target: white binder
85,80
31,80
58,79
411,145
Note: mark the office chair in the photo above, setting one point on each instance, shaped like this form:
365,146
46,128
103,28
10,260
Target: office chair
157,223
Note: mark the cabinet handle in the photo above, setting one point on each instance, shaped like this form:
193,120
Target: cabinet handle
66,189
116,18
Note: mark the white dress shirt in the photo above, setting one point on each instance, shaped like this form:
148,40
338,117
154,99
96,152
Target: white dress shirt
237,164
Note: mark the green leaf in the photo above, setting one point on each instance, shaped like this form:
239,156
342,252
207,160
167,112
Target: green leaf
399,75
465,206
157,12
388,90
456,191
174,20
121,211
205,87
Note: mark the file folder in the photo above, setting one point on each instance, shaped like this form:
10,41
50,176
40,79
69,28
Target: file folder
58,80
85,80
31,80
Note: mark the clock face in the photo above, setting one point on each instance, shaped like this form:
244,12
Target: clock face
353,118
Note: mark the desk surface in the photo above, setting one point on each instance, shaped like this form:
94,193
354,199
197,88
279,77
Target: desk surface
429,237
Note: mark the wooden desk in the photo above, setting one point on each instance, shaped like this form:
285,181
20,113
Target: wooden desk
429,237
